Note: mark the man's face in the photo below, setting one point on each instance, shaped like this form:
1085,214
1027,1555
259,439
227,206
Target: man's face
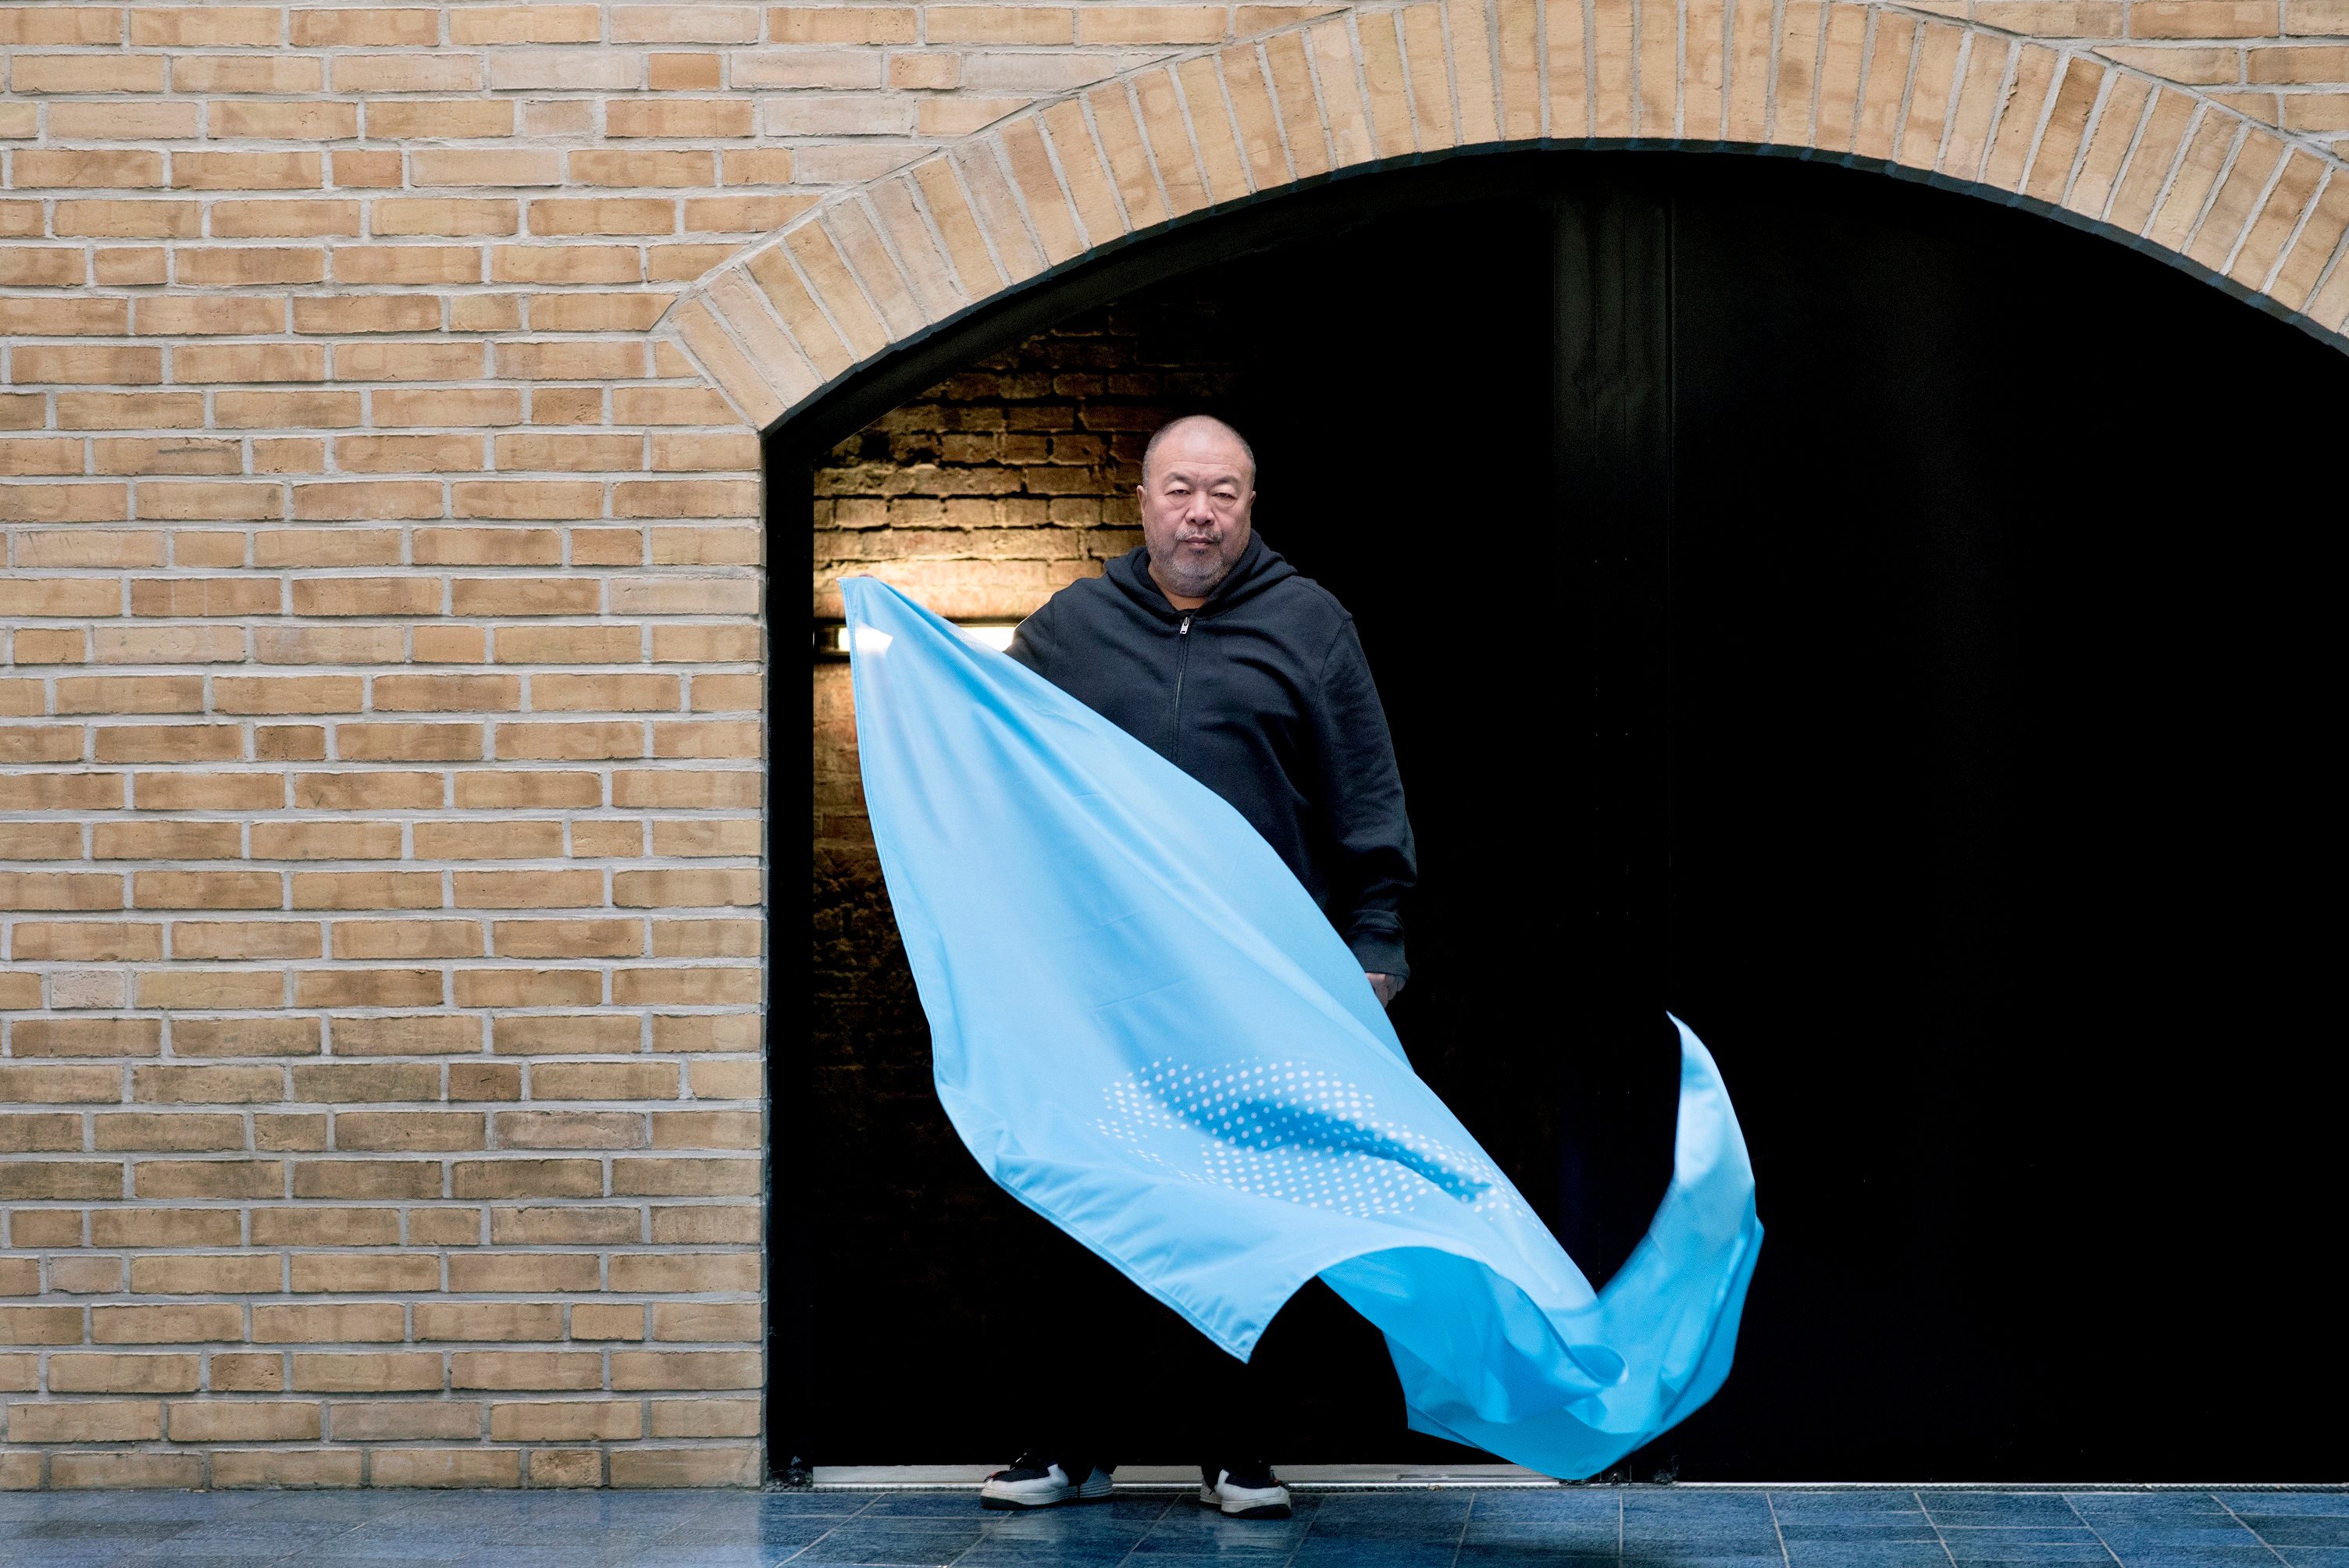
1196,492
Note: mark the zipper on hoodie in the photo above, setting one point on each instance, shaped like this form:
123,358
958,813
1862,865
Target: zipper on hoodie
1182,663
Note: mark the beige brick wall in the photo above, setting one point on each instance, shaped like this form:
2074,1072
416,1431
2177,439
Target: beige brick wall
381,746
2061,124
381,756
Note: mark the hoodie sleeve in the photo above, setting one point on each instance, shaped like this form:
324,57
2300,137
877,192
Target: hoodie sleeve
1360,797
1032,641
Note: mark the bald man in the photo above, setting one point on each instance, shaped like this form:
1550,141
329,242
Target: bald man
1208,647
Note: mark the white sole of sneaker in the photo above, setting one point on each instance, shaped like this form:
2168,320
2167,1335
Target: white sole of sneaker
1096,1489
1260,1511
1234,1508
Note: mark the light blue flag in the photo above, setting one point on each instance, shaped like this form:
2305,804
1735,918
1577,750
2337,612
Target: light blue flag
1145,1031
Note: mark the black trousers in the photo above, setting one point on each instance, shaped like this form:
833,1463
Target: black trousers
1184,1399
1140,1387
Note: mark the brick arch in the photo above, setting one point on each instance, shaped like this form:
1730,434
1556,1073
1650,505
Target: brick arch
1877,85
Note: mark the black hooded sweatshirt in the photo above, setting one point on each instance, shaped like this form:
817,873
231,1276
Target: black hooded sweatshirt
1261,694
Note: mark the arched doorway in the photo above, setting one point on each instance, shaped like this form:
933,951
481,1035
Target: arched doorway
1787,615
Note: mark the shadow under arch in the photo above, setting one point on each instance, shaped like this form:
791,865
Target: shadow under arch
1100,278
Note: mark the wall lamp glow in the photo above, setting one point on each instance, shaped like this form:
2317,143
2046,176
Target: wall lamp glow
830,641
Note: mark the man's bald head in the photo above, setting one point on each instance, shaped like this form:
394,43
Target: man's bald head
1197,488
1191,425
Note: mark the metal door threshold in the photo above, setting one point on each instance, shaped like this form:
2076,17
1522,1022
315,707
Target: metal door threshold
2008,1488
1144,1481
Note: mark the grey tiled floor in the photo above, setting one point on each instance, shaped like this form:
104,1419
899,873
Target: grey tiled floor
1567,1527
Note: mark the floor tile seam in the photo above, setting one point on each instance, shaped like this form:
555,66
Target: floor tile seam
2255,1535
1918,1497
298,1551
811,1546
1297,1546
1128,1558
1466,1514
2091,1529
1778,1528
977,1542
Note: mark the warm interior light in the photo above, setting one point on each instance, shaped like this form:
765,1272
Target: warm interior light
832,640
989,634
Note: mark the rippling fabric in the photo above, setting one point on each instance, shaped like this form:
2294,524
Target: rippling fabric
1144,1030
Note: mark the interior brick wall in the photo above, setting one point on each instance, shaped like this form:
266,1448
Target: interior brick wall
1003,484
381,672
982,497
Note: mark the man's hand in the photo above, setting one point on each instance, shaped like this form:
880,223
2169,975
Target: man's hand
1384,986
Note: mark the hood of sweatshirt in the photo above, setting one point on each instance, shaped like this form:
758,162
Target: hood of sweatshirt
1258,568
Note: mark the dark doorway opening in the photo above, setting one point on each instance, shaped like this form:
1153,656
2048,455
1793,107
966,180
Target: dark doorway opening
1867,621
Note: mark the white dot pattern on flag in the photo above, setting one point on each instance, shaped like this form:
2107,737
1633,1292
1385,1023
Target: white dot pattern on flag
1293,1131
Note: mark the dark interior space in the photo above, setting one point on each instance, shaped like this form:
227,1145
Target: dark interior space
1884,629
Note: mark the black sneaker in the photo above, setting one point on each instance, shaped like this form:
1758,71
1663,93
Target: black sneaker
1035,1482
1244,1491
